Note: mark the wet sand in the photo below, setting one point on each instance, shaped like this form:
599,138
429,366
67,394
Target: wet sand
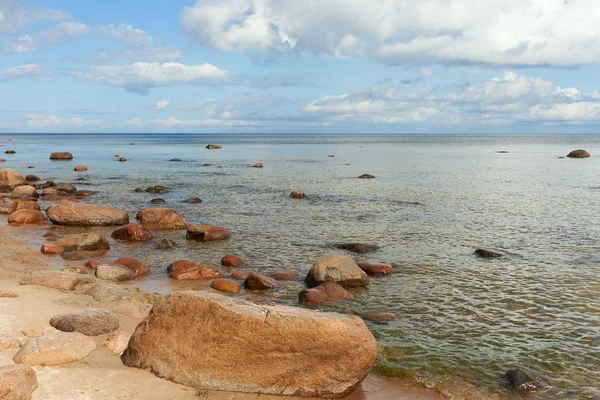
101,375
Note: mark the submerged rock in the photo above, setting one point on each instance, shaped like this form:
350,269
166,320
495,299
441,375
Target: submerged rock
357,247
50,248
193,200
324,294
297,195
84,242
232,261
90,321
242,275
61,155
578,154
374,268
165,244
17,382
187,270
158,201
379,316
487,253
286,274
132,232
157,189
161,218
310,354
366,176
214,146
106,293
258,165
226,285
522,381
61,348
258,282
80,168
32,178
336,268
137,266
78,214
175,160
207,233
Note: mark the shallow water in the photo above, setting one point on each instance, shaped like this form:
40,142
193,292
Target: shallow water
434,200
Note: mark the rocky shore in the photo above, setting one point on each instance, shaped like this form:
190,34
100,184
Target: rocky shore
77,330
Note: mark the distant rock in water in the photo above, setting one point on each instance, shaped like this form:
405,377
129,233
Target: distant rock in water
193,200
139,190
366,176
214,147
122,159
175,160
61,155
161,218
165,244
158,201
578,154
157,189
205,233
80,168
297,195
324,294
10,152
357,247
258,165
32,178
232,261
258,282
502,152
487,253
522,381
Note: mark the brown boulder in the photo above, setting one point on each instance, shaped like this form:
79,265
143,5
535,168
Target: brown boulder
483,253
122,159
297,195
10,152
77,214
161,218
6,294
258,282
286,274
57,349
11,178
374,268
84,193
214,146
324,294
132,232
84,242
356,247
336,268
366,176
578,154
183,269
93,264
24,192
48,248
270,350
232,261
90,321
242,275
56,280
24,205
165,244
207,233
226,285
80,168
17,382
61,155
138,267
379,316
32,178
26,217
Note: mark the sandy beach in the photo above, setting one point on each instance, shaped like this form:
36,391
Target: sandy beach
101,374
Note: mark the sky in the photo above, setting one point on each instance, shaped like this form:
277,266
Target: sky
300,66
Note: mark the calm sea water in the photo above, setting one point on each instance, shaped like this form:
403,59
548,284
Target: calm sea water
435,199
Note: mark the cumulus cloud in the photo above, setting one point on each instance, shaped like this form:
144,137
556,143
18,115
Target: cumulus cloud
20,71
161,105
16,15
494,32
140,77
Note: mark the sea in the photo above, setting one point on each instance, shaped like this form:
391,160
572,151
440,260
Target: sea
462,321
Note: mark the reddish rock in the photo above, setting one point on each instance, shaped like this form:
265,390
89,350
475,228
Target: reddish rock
324,294
226,285
77,214
258,165
297,195
165,244
26,217
214,146
2,159
258,282
24,205
92,264
80,168
286,275
366,176
5,294
84,193
11,178
61,155
132,232
207,233
578,154
138,267
242,275
187,270
374,268
122,159
232,261
161,218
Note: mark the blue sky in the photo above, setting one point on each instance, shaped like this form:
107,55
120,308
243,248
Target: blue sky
343,66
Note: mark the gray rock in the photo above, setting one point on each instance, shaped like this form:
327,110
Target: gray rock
90,321
106,293
115,273
57,349
56,280
336,268
84,242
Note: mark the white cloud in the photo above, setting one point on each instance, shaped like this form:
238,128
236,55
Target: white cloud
171,122
20,71
141,76
398,32
134,122
46,121
161,105
15,15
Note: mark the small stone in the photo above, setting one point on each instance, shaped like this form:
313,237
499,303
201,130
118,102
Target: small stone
85,193
374,268
184,270
207,233
524,382
5,294
84,242
91,321
115,273
366,176
297,195
93,264
175,160
61,155
232,261
158,201
139,190
80,168
379,316
324,294
357,247
57,349
157,189
226,285
122,159
165,244
74,270
71,256
49,248
138,267
578,154
214,146
7,342
132,232
194,200
117,341
10,152
31,178
258,282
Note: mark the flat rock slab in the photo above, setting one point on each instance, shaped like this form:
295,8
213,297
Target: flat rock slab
161,218
210,341
207,233
56,280
90,321
106,293
17,382
5,294
7,342
78,214
57,349
84,242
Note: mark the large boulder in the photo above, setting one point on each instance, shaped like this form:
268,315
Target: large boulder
132,232
84,242
57,349
24,192
24,205
17,382
11,178
56,280
336,268
79,214
578,154
91,321
207,233
324,294
161,218
26,217
61,155
209,341
183,270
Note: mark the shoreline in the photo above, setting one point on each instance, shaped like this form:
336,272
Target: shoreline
94,376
